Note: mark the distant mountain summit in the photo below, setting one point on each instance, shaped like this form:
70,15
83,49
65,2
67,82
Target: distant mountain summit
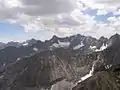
29,42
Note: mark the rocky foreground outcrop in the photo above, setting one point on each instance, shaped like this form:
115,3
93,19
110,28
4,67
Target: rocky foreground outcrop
105,80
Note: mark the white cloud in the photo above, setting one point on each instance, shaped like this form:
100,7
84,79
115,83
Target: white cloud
111,19
63,17
117,12
114,22
101,12
11,3
18,10
108,5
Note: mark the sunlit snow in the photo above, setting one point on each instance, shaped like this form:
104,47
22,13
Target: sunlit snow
92,47
25,44
61,44
18,59
78,46
35,49
102,48
87,76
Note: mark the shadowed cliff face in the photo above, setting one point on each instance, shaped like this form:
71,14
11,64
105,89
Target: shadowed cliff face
45,69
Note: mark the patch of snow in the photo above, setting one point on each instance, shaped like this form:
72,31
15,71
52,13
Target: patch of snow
93,47
108,66
56,45
35,49
102,48
87,76
64,44
78,46
18,59
25,44
52,87
61,44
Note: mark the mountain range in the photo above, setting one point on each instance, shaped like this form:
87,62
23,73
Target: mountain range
78,43
70,63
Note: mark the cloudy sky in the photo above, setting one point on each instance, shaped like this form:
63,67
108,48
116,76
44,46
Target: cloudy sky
40,19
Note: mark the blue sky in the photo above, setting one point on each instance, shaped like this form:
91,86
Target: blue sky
18,24
102,18
10,29
11,32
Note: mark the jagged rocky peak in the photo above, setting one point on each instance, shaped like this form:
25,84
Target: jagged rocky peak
78,35
103,39
115,37
32,40
112,53
12,43
54,39
114,40
29,42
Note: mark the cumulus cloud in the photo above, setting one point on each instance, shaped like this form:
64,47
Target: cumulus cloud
106,4
47,7
62,17
114,22
101,12
35,15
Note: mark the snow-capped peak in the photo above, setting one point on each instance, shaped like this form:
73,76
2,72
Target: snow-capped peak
35,49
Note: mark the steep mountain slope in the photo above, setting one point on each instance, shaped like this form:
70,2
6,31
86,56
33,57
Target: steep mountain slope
43,70
105,80
11,54
59,64
109,77
112,52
